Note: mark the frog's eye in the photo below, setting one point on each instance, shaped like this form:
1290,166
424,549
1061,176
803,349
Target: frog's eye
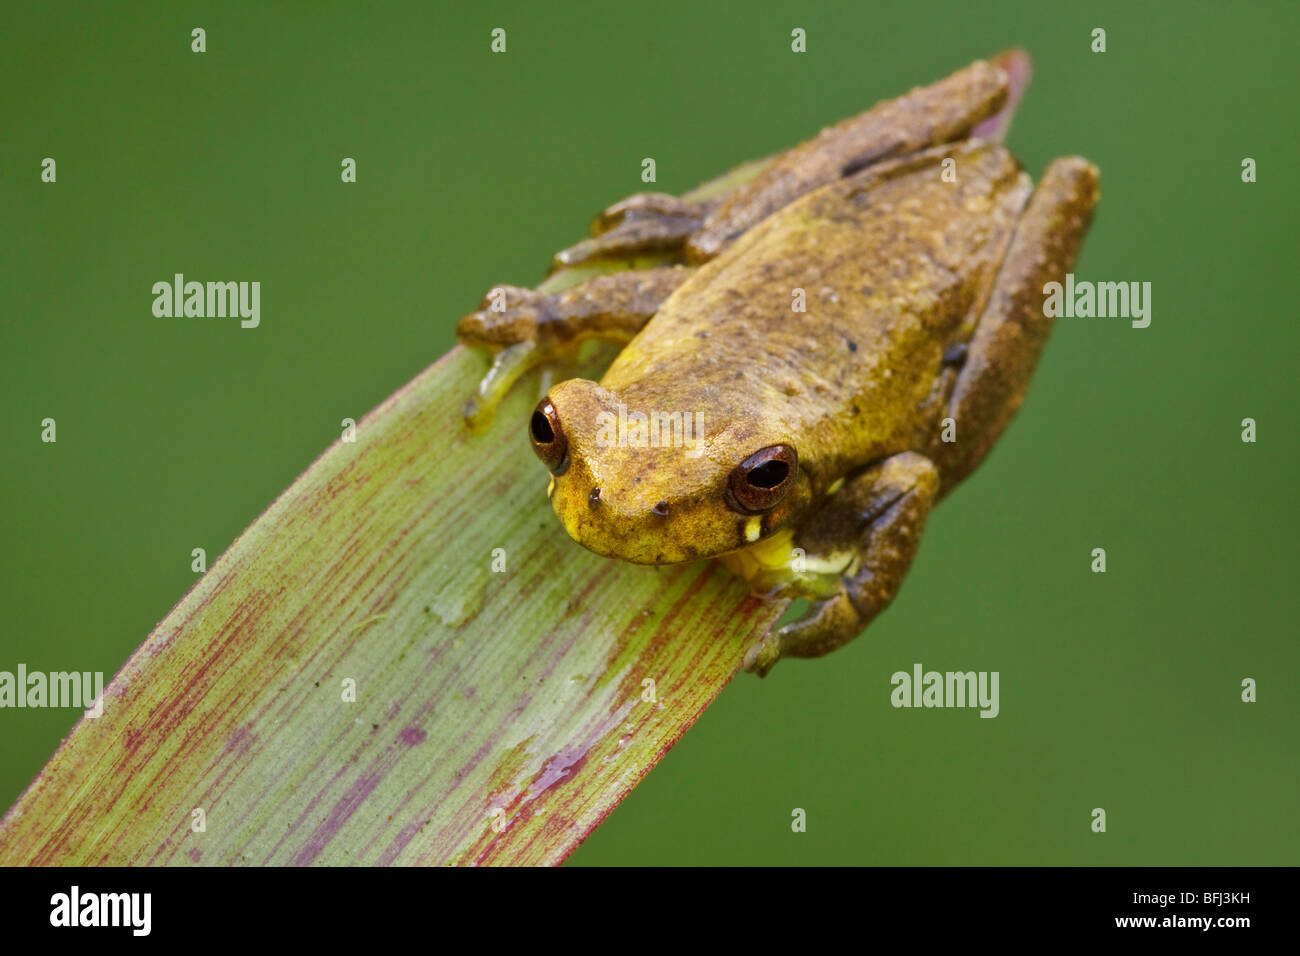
548,438
760,481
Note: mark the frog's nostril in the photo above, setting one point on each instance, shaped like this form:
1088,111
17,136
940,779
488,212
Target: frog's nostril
594,497
661,509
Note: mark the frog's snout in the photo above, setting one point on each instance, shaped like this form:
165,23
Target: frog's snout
622,499
681,496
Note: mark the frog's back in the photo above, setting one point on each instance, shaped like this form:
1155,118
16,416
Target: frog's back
892,265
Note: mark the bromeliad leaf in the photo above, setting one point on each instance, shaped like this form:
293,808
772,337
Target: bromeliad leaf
405,660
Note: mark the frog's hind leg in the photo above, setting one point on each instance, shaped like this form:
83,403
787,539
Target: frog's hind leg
948,111
1000,358
525,328
867,533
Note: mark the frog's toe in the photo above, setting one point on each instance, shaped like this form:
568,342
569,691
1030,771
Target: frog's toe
763,655
507,366
829,623
809,636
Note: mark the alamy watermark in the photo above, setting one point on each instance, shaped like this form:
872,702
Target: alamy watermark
212,300
1102,300
25,688
653,430
130,910
946,689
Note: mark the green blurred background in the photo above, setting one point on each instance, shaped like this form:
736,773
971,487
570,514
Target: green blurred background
1119,690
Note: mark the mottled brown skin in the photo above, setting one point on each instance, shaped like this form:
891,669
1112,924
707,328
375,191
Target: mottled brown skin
641,224
923,302
537,328
845,383
613,307
943,112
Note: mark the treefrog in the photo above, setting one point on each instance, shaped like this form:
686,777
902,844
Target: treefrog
828,348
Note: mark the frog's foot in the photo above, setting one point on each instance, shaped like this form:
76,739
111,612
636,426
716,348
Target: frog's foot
997,363
508,365
646,226
527,329
877,517
507,323
818,632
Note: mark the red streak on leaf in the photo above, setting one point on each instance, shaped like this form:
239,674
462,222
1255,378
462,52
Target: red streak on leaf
492,717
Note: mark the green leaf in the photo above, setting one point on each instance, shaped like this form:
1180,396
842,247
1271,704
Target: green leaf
514,700
496,716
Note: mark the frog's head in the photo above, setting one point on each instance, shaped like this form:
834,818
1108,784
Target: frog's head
660,487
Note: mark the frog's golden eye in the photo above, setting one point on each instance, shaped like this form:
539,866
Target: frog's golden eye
760,481
548,438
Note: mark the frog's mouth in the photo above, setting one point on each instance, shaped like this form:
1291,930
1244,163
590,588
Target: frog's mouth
627,540
641,555
637,532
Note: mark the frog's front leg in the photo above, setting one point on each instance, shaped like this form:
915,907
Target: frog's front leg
1000,358
643,227
867,533
525,328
